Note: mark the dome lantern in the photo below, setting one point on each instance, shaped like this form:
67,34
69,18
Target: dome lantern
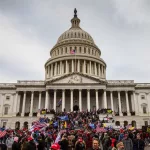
75,21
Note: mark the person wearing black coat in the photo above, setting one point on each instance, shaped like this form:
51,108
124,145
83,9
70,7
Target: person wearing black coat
138,144
64,144
15,146
31,145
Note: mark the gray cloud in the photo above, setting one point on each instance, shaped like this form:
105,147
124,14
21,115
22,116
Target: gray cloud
30,28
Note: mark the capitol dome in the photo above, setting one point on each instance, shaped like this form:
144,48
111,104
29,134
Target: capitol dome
75,52
75,32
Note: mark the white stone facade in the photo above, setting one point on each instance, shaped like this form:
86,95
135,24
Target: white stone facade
77,79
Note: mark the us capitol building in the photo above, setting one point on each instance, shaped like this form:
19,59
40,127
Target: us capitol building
75,74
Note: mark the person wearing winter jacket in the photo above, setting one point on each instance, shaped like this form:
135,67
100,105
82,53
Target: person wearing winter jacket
9,142
15,145
138,143
31,145
127,142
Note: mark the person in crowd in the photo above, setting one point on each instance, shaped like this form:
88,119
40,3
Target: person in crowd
31,144
55,146
80,144
138,143
95,145
9,142
127,142
106,142
64,144
41,143
15,145
120,146
24,144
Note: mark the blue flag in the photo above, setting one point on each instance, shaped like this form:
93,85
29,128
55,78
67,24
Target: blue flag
55,124
63,118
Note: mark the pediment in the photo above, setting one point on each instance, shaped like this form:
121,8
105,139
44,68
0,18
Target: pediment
76,79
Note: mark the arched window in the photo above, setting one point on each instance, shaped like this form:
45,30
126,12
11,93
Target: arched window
80,50
117,123
79,34
66,50
125,123
26,125
17,125
61,50
133,123
84,49
89,51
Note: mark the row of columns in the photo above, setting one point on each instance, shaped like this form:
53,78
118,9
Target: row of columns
79,50
71,101
59,68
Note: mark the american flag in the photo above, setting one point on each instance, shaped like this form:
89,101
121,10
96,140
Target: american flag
38,125
73,51
2,133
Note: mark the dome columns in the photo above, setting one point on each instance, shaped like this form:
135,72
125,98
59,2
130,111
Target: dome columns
91,68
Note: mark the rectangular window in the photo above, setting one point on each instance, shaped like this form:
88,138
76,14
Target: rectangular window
142,97
144,110
7,97
5,110
146,123
4,124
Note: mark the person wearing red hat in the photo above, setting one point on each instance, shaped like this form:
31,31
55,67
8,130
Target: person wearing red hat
55,146
80,144
31,145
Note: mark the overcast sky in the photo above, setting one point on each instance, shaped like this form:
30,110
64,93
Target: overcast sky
30,28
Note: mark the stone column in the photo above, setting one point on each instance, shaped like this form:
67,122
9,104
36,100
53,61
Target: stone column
102,74
40,96
47,100
88,99
136,104
55,68
99,73
90,68
84,67
119,102
105,99
95,69
66,66
78,65
63,100
60,67
15,104
71,100
112,101
97,102
80,99
127,104
31,106
51,70
23,106
63,71
72,65
55,94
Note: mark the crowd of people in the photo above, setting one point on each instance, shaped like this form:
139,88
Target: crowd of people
72,131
